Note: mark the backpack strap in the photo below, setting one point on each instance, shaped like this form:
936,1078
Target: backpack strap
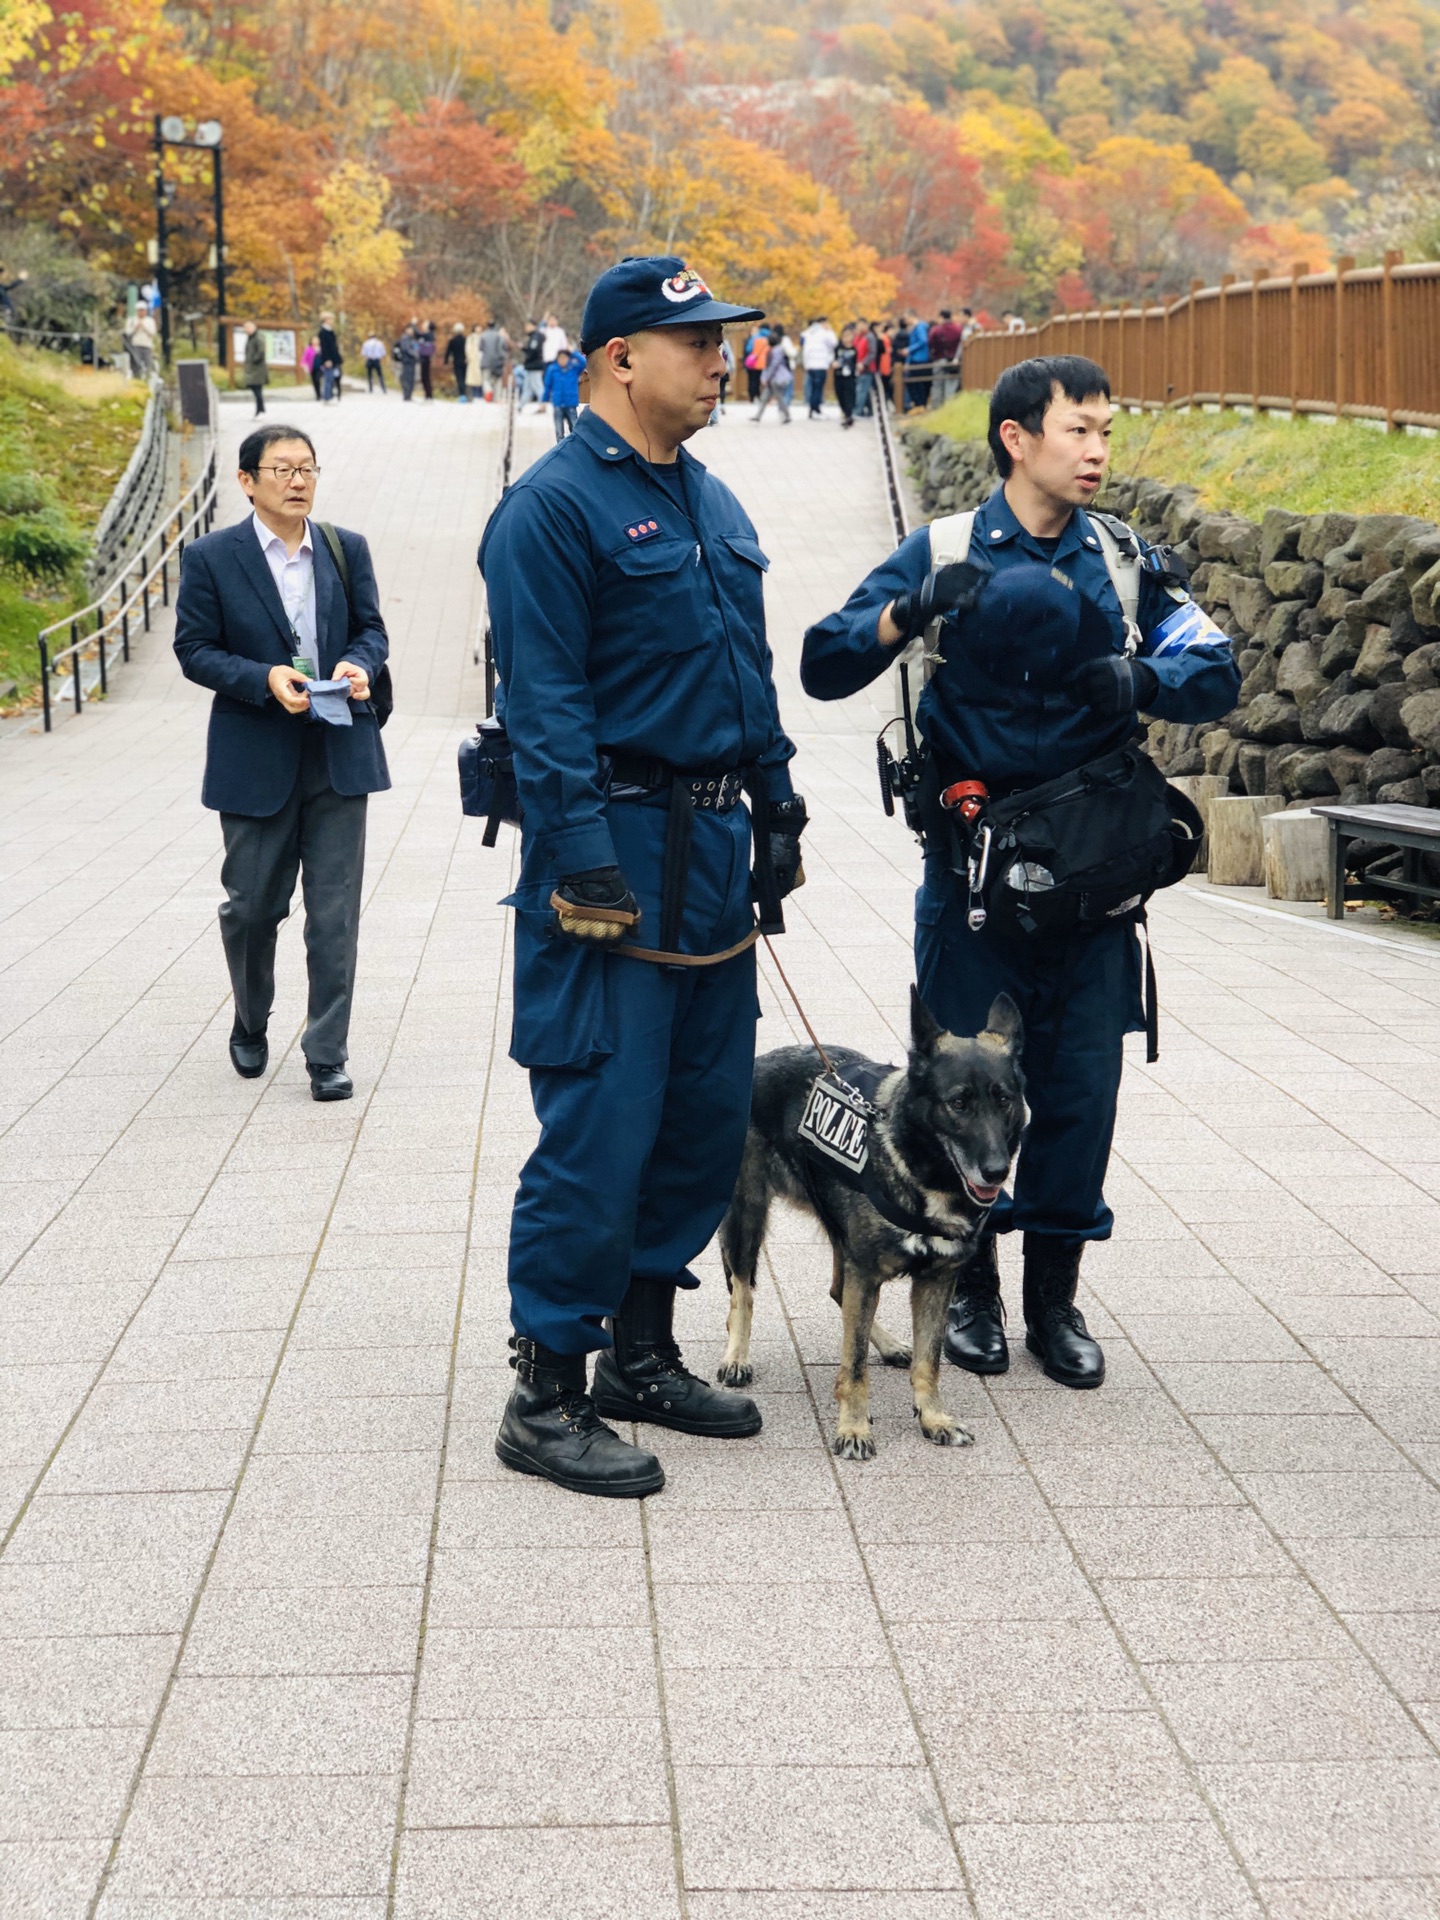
1121,551
950,538
342,565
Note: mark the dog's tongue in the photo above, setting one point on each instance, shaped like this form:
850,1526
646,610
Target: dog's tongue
987,1196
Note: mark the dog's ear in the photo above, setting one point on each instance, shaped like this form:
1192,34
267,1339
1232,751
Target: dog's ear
925,1029
1003,1025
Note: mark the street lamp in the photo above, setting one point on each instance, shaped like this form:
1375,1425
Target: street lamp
172,131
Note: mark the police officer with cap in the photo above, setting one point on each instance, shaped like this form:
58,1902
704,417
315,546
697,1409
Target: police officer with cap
1037,671
625,593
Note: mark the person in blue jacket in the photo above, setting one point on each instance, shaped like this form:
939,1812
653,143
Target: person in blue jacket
1020,695
625,594
561,391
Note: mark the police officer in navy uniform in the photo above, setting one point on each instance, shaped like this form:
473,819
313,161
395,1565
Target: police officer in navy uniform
625,591
1036,675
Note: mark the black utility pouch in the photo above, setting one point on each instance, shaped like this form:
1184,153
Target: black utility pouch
487,779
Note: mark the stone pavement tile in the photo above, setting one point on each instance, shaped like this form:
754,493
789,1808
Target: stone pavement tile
1329,1819
221,1907
759,1717
323,1372
1006,1581
537,1673
333,1483
82,1528
1354,1506
320,1550
1299,1443
65,1783
382,1423
1135,1477
94,1596
114,1680
991,1507
781,1474
1059,1422
1253,1387
1255,1710
282,1724
1207,1619
604,1873
1115,1871
1351,1899
1407,1648
799,1628
248,1839
136,1463
1211,1337
1139,1543
742,1548
1372,1576
135,1407
43,1879
563,1587
1016,1667
159,1358
999,1765
476,1516
830,1906
813,1827
307,1630
587,1768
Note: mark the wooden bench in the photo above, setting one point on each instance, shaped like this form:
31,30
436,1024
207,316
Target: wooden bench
1410,830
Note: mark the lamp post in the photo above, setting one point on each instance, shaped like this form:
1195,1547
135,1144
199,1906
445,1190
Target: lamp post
172,131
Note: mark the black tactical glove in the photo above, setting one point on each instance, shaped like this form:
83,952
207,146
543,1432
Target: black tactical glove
595,905
951,589
788,820
1113,684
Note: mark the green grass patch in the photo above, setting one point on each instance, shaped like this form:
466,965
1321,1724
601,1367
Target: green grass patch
1240,463
66,433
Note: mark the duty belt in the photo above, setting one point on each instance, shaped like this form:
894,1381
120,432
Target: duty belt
711,791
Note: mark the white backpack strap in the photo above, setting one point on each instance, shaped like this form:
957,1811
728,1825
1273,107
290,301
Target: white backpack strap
950,538
1124,571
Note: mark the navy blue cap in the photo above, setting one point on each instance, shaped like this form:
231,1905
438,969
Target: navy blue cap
1033,626
651,290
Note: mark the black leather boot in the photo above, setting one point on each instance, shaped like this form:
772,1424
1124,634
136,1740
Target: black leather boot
644,1378
975,1324
1055,1329
551,1429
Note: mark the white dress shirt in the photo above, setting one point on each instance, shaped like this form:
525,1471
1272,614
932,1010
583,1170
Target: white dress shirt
294,577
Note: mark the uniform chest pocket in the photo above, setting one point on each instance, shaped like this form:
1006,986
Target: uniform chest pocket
657,593
743,566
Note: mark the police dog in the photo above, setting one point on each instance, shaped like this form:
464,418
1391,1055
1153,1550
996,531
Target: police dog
941,1148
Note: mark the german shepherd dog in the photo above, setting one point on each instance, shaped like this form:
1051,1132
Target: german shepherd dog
941,1148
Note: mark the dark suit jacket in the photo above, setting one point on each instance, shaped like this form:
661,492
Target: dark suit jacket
230,630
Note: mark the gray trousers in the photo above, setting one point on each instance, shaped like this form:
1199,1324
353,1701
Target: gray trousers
320,835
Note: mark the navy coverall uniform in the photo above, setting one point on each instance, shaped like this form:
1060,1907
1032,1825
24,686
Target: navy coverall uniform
1078,992
628,618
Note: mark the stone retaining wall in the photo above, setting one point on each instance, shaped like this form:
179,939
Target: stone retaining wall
1335,623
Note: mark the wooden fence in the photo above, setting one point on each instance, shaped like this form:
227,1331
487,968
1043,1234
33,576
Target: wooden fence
1363,341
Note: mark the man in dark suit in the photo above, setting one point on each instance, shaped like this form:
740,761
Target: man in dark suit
262,611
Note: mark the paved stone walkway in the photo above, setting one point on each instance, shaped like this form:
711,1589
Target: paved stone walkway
282,1641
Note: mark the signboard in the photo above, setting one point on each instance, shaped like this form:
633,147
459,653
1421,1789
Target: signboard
280,345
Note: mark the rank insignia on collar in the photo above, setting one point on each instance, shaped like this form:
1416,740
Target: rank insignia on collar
643,529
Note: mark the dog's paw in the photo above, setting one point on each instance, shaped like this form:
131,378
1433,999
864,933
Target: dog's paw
854,1446
735,1373
896,1356
941,1431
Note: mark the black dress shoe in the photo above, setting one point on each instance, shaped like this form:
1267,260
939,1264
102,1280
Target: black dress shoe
550,1429
975,1323
249,1054
1055,1329
644,1378
329,1083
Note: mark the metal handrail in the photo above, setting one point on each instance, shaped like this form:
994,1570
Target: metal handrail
196,508
899,518
138,495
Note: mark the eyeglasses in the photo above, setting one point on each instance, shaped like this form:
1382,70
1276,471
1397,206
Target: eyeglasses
283,473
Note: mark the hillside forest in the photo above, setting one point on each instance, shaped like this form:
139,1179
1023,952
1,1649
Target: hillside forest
831,156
